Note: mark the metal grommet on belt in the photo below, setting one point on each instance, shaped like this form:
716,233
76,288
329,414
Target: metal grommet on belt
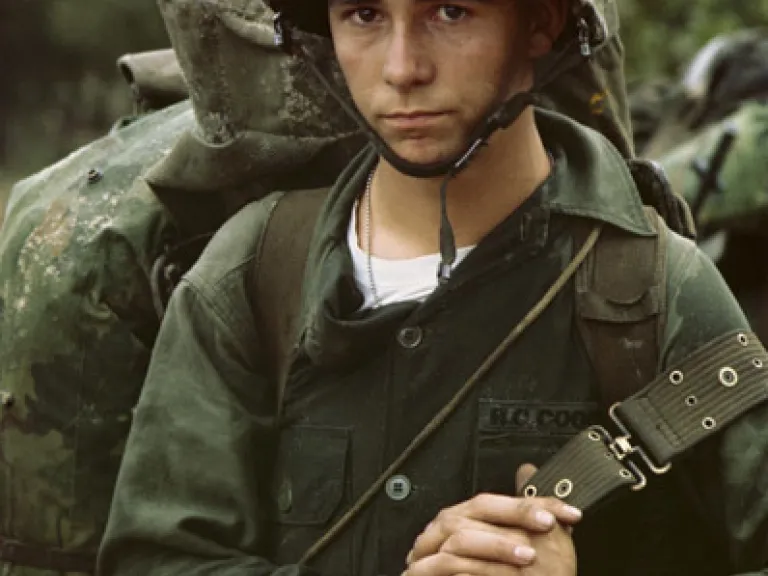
594,436
626,474
743,340
563,488
728,377
676,378
398,488
530,491
410,337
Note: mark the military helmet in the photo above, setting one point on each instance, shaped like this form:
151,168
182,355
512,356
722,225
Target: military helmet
730,69
312,17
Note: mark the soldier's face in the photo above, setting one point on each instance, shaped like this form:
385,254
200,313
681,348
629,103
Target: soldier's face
424,73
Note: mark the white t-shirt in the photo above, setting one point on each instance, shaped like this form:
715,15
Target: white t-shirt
396,280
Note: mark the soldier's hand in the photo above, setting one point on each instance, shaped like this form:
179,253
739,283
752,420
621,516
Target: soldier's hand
485,554
495,532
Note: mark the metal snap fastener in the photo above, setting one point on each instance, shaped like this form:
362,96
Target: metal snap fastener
285,497
410,337
398,488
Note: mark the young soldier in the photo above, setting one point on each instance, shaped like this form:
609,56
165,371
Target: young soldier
396,318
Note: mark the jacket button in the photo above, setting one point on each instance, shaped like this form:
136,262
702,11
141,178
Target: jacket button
410,337
398,488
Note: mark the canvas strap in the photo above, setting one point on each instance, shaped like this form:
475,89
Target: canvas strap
686,404
621,307
279,274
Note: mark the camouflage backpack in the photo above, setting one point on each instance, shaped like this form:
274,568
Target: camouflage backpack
92,247
709,128
711,141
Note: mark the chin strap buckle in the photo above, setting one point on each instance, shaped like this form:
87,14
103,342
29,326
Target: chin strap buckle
283,35
443,273
585,46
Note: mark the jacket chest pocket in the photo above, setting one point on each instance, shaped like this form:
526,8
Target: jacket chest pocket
512,433
309,490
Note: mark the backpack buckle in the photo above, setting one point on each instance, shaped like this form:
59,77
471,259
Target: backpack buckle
623,447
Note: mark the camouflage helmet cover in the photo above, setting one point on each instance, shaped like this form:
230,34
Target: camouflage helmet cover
259,116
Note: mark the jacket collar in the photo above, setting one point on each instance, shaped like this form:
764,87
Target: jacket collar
591,178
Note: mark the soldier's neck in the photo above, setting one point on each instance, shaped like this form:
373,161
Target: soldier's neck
405,211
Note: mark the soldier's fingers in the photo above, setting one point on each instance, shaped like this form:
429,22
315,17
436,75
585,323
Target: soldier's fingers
523,475
436,534
534,514
444,564
512,547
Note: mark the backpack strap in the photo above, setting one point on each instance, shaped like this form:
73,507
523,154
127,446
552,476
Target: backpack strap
279,278
621,308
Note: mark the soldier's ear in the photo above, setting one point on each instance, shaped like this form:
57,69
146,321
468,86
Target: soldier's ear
547,19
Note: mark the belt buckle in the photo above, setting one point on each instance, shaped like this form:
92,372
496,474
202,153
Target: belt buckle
622,447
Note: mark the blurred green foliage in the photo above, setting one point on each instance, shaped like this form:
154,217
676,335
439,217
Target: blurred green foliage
59,87
661,35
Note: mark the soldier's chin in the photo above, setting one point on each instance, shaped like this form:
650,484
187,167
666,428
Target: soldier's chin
425,151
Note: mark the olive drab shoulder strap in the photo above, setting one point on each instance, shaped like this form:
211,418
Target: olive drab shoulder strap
620,293
279,277
621,296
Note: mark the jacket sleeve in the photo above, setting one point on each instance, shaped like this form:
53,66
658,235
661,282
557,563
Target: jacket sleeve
726,477
190,495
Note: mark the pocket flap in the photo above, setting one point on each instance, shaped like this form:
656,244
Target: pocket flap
311,474
593,306
622,279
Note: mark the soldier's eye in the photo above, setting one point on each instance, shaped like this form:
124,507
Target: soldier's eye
451,13
364,16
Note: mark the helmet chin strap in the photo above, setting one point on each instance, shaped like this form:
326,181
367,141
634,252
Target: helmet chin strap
504,115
